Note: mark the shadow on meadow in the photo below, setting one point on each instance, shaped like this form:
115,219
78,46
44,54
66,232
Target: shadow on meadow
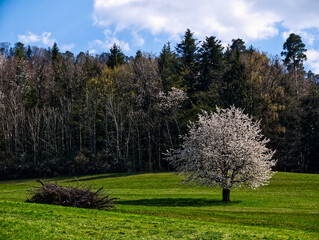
177,202
111,175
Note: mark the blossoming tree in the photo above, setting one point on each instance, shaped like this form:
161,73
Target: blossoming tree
225,148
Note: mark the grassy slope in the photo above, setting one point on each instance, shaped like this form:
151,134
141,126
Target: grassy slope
158,206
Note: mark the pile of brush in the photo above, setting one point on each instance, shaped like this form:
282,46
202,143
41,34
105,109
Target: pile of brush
74,196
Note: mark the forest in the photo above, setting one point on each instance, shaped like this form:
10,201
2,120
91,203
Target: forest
67,114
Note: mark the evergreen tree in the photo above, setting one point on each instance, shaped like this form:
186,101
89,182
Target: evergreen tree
294,54
311,131
19,51
211,63
167,64
294,57
138,54
59,72
116,57
55,52
235,90
238,45
29,52
187,52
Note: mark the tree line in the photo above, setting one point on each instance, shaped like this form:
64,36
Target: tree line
67,114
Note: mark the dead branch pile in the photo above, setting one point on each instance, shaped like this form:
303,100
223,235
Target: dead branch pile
75,196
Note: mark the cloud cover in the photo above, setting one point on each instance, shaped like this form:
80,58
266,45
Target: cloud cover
225,19
44,38
109,40
313,60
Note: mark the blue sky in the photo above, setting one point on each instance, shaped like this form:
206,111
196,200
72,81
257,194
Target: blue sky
94,25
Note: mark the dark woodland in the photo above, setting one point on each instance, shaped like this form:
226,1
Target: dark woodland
67,114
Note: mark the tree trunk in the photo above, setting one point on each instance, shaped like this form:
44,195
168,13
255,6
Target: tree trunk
169,134
106,135
149,147
94,130
80,133
139,151
226,194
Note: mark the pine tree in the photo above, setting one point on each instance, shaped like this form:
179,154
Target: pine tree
167,64
55,52
235,90
29,52
211,63
237,47
187,52
116,57
19,51
138,54
294,54
294,57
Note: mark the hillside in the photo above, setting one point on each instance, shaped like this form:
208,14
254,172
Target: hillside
158,206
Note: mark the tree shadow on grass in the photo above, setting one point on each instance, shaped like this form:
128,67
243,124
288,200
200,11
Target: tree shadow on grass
176,202
110,175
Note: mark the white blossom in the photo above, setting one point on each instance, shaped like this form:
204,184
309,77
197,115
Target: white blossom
225,148
172,99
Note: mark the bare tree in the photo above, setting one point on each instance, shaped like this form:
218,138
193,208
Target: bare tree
169,105
147,80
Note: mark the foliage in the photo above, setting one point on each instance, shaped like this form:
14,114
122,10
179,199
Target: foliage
225,148
295,53
73,196
19,51
116,57
211,63
235,89
65,114
167,65
187,52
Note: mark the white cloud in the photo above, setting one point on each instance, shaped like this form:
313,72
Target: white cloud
92,51
313,60
306,37
226,19
67,47
44,38
294,14
110,39
138,40
29,38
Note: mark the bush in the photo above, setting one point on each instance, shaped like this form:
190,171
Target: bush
74,196
81,163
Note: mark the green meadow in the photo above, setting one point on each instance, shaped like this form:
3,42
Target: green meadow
159,206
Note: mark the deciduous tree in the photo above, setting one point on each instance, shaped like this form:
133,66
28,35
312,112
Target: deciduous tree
225,148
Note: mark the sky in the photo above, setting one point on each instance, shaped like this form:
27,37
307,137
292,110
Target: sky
95,25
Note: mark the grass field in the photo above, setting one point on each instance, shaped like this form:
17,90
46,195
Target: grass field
158,206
